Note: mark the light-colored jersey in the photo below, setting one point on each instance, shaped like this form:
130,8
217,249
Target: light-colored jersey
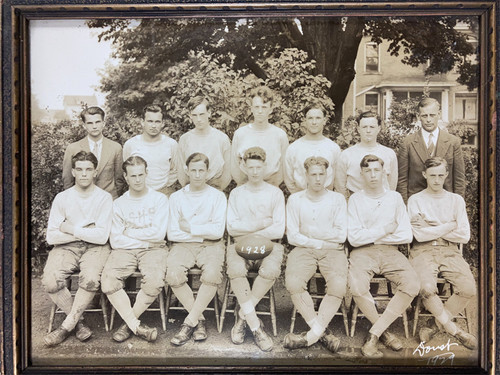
161,157
348,171
442,208
205,211
273,141
299,151
310,223
90,213
367,217
144,219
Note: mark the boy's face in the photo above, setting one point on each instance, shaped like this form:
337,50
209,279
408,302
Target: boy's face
197,172
255,170
372,174
84,173
136,177
435,177
94,125
316,177
260,110
200,116
152,123
368,129
315,121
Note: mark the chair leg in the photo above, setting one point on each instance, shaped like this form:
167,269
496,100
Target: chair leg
343,308
104,308
354,317
272,304
161,301
167,301
225,298
405,324
51,317
417,312
112,319
216,310
292,320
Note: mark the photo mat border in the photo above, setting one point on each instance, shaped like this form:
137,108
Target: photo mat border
15,271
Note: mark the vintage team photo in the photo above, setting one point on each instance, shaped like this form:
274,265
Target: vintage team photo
255,191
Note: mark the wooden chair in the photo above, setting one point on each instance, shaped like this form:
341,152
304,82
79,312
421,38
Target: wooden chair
132,286
317,297
192,273
72,285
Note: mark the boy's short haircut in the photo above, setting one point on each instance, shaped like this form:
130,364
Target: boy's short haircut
132,161
435,161
197,156
370,159
92,111
84,156
316,160
254,153
369,114
263,92
196,101
314,105
152,108
428,101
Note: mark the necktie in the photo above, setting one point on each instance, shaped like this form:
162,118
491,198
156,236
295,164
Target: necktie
95,150
430,145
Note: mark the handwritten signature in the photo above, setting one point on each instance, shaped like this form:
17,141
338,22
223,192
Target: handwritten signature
439,359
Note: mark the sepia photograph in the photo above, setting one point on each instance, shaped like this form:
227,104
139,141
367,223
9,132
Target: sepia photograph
302,190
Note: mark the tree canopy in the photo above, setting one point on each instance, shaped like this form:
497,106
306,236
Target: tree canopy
153,51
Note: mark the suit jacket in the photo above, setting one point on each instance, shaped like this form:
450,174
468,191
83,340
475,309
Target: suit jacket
109,170
413,153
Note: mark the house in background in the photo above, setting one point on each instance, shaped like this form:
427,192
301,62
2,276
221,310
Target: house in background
382,78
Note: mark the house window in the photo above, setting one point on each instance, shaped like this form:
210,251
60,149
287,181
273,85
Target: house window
399,96
371,102
466,107
371,58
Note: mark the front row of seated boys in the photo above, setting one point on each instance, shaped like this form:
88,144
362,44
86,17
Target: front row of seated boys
318,222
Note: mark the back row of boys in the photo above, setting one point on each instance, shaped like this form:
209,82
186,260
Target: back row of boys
316,223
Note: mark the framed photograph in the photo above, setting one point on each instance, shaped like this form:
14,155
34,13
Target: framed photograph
60,58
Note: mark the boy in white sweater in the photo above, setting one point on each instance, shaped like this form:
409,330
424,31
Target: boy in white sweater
316,223
348,179
377,223
313,143
196,226
439,222
140,219
79,225
255,207
261,133
158,149
205,139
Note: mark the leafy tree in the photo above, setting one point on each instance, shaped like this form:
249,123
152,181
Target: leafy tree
148,47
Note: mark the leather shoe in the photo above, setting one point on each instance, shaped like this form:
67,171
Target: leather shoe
146,333
183,335
427,333
369,348
238,331
122,333
391,341
56,337
330,341
83,332
293,341
200,331
467,340
263,341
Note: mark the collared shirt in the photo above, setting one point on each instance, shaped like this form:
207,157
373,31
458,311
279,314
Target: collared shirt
96,147
435,134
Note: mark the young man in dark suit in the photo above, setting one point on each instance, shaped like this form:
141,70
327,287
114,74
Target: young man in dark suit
109,175
428,142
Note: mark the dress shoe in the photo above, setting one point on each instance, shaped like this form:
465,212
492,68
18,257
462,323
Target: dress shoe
146,333
56,337
369,348
427,333
330,341
391,341
293,341
200,331
83,332
122,333
263,341
467,340
183,335
238,331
